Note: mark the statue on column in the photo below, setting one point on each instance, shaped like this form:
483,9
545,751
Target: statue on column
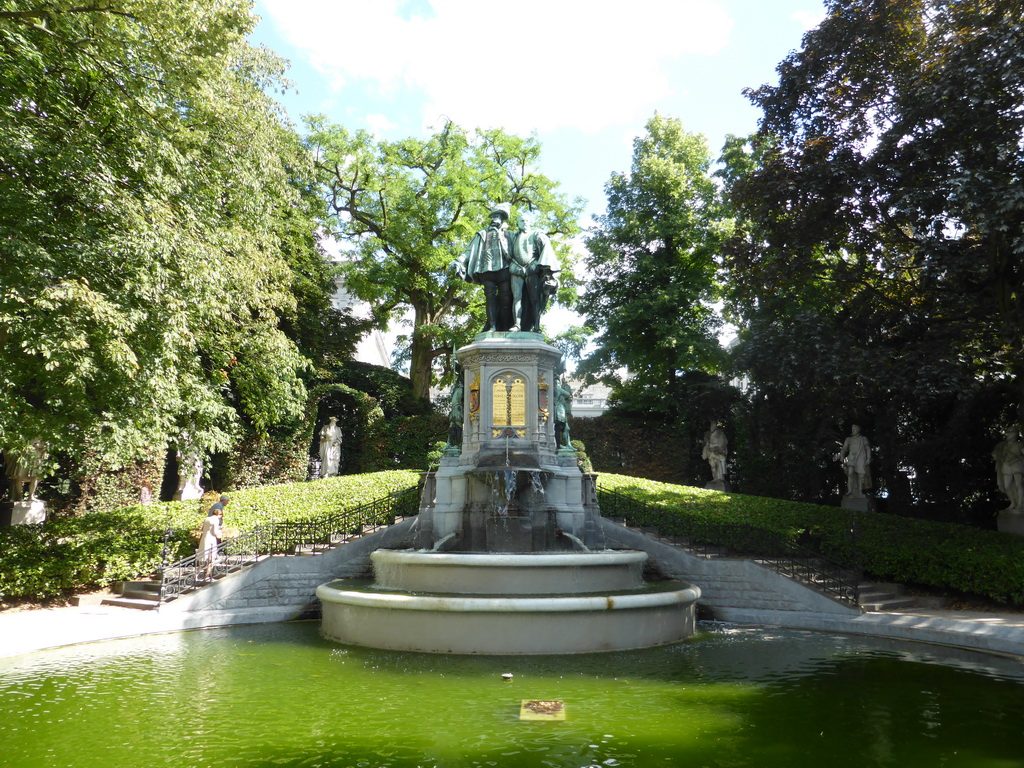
486,261
330,448
1009,457
716,451
855,456
533,267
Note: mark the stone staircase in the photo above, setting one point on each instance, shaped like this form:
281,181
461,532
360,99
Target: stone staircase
872,596
145,594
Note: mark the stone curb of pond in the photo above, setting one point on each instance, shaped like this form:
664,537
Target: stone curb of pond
28,631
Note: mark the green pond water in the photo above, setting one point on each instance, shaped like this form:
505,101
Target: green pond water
279,695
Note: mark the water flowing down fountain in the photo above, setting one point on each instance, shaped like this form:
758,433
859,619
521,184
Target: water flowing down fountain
507,554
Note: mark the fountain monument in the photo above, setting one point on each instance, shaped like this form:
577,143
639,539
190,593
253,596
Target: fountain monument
507,554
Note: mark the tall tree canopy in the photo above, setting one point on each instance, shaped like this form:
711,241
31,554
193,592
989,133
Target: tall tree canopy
149,227
883,230
652,264
406,208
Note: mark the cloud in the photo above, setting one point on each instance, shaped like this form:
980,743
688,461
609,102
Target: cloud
379,123
808,19
537,65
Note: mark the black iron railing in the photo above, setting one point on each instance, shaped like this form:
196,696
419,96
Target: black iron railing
789,559
303,537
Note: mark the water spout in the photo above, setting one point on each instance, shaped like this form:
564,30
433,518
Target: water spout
536,483
574,539
442,541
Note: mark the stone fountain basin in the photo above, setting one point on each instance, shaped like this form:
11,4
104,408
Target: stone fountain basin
509,625
539,573
532,603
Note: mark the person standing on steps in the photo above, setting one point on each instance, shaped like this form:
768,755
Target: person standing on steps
209,540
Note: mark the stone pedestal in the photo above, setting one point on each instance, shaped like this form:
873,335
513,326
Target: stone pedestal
1011,522
191,490
22,512
858,503
510,489
717,485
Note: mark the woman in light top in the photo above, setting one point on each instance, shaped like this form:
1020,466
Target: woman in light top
213,532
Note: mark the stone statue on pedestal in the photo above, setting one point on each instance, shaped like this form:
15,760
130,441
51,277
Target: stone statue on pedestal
190,473
716,450
855,456
716,454
1009,457
25,469
563,411
330,448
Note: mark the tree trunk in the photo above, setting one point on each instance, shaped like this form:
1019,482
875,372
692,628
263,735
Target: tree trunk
421,371
420,368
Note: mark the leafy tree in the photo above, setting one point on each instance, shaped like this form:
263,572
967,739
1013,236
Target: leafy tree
652,259
406,209
144,176
878,266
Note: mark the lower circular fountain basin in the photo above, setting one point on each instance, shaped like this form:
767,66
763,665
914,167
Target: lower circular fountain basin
544,573
506,625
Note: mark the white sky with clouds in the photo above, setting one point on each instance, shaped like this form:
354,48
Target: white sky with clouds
584,76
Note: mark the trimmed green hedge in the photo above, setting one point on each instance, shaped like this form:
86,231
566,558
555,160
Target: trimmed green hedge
946,556
99,548
96,549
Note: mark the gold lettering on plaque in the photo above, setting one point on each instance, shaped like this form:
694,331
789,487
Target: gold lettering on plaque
509,399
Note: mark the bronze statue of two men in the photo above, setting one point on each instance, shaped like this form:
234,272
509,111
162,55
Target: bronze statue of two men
517,270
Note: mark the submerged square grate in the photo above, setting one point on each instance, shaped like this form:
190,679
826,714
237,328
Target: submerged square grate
539,709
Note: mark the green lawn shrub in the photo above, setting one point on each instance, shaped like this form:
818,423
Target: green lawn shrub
93,550
946,556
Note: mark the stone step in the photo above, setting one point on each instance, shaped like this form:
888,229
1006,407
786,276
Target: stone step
140,590
141,594
888,604
144,590
884,596
881,586
129,602
149,585
877,596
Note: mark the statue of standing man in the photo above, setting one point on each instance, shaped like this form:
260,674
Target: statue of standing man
486,261
856,458
455,416
563,411
716,451
533,270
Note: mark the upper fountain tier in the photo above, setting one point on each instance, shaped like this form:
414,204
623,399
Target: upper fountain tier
505,483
